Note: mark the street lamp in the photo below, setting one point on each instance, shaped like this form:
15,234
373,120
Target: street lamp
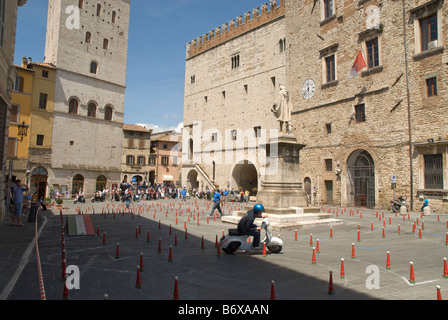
22,130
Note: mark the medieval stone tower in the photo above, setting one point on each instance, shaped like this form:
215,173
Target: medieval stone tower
87,42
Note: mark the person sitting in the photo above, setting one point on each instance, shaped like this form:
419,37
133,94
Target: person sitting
425,204
246,225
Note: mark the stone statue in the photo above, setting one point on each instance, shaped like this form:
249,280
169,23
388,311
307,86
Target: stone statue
282,109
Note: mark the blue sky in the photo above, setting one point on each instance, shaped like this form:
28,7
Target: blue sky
159,31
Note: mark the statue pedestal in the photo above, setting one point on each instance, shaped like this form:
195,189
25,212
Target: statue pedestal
282,194
282,187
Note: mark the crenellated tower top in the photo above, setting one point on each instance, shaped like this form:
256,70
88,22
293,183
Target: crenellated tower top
236,27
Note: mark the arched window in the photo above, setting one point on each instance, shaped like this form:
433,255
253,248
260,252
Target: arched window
91,112
114,16
105,44
73,106
78,184
108,112
93,67
98,10
88,37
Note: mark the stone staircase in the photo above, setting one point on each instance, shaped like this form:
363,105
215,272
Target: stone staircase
303,218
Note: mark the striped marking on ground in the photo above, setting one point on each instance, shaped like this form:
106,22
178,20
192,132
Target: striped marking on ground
80,225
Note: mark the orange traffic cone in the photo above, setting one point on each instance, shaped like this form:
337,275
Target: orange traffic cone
176,288
272,290
138,283
445,269
313,260
388,261
412,277
353,251
170,256
439,295
330,286
117,253
342,269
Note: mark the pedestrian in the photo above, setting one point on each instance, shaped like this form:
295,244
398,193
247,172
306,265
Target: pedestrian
425,204
216,203
17,195
184,194
246,196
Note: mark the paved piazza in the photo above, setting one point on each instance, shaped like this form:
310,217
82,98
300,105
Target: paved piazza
205,274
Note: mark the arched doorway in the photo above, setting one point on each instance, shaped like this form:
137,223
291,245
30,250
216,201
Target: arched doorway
39,178
152,178
192,179
101,183
361,179
307,188
138,179
78,184
245,175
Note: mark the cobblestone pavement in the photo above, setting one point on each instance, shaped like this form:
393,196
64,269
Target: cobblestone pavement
205,274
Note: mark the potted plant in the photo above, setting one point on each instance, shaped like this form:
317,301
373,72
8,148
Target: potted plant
59,202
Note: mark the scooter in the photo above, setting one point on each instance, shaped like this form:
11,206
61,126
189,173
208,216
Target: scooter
234,241
397,204
79,199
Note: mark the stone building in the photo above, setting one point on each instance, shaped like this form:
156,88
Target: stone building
165,161
32,106
136,154
8,22
383,132
232,80
87,43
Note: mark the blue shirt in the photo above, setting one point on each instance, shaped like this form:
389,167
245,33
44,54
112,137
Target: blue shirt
226,193
18,194
216,197
184,193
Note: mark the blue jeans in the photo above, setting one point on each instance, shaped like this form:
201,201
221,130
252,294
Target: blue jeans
18,209
217,205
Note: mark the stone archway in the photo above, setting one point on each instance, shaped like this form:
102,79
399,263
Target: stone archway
192,179
361,180
245,175
39,178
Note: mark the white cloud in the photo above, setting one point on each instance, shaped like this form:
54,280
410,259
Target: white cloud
157,128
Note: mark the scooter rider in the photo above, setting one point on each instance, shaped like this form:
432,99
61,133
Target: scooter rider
246,225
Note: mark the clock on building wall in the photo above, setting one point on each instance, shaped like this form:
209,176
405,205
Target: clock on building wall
308,89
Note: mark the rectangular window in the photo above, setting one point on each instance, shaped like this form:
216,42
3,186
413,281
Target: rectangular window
152,161
165,160
373,55
130,143
130,160
214,137
14,117
44,73
141,161
43,101
433,171
18,84
328,165
360,110
257,132
328,8
12,147
234,135
431,87
330,68
328,127
235,61
429,33
40,140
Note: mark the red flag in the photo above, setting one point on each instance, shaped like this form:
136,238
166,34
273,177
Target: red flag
358,65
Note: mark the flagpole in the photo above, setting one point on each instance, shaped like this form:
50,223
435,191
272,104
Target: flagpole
409,107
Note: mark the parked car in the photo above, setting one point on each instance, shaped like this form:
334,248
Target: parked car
234,195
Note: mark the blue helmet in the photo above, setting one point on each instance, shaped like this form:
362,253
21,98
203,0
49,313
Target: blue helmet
258,208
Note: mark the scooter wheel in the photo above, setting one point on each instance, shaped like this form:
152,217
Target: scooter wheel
231,248
275,248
